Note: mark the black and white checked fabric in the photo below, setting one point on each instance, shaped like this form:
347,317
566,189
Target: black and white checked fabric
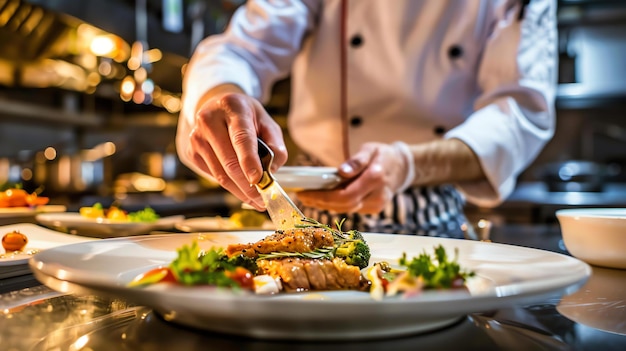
432,211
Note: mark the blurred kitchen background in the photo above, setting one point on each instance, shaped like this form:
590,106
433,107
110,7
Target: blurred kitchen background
90,92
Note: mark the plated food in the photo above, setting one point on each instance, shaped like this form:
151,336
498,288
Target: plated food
15,196
14,244
17,202
116,213
102,227
311,257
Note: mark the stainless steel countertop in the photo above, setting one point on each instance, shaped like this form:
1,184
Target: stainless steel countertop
536,193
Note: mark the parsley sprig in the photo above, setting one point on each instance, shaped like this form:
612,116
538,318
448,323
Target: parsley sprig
438,273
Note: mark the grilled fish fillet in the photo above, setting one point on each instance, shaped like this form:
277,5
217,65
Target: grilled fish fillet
304,274
292,240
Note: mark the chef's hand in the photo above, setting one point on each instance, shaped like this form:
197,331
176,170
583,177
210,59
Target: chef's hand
223,141
375,173
378,171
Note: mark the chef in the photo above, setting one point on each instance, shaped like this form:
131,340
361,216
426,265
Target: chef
422,105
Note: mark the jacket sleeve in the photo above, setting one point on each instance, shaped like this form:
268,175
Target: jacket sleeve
514,116
257,49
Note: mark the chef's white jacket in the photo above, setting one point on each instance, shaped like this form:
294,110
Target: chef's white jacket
413,70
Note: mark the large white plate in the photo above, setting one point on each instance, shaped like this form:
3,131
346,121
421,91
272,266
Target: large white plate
29,211
212,224
39,238
505,275
297,178
73,221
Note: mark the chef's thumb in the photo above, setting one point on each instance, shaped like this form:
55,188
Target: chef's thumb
357,163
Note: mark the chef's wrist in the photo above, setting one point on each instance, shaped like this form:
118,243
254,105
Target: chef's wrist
445,161
407,157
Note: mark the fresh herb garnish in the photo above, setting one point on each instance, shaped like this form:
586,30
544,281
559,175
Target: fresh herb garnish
193,266
145,215
438,273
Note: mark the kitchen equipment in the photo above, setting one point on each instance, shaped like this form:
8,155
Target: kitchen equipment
595,235
575,175
282,211
76,173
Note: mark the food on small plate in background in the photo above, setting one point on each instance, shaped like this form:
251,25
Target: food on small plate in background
14,241
115,213
245,218
14,244
18,197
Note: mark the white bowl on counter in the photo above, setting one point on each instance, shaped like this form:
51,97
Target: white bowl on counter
595,235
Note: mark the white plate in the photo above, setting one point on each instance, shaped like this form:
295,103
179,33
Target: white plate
297,178
29,211
505,275
73,221
213,224
39,238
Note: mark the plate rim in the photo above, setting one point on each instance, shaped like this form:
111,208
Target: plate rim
76,219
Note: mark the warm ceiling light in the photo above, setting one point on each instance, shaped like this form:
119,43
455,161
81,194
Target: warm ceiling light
136,55
172,104
93,79
127,88
109,148
105,68
50,153
140,74
147,86
103,45
153,55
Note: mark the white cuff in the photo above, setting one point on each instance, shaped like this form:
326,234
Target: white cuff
404,150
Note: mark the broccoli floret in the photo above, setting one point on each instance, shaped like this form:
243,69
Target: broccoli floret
349,246
246,262
354,250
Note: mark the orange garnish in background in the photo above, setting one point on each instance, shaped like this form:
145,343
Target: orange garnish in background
15,197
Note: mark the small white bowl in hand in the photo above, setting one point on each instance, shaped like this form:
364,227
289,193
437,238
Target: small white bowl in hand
595,235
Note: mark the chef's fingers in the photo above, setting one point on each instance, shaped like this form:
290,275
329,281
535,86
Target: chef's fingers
207,161
358,162
221,129
238,113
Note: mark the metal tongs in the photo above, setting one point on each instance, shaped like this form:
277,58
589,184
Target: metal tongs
282,211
